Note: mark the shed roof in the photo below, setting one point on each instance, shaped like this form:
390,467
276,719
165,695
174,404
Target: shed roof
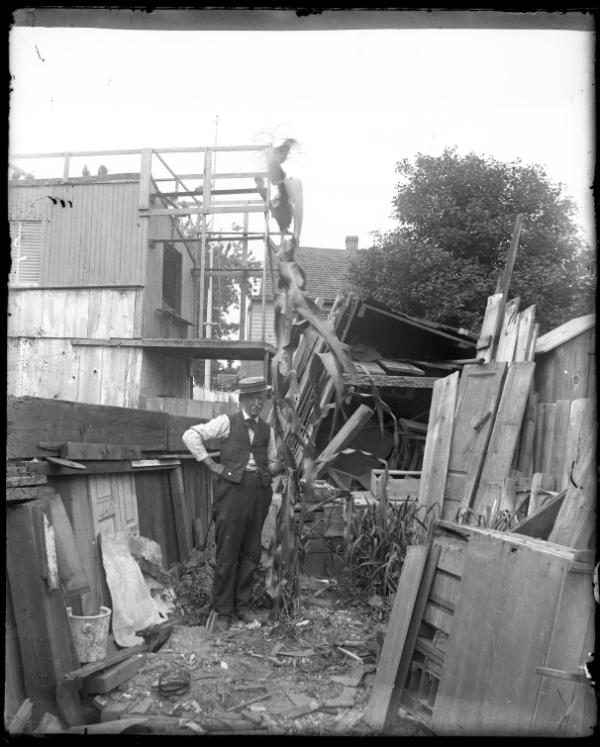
564,333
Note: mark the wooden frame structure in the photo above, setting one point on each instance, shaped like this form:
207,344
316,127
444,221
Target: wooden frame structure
161,192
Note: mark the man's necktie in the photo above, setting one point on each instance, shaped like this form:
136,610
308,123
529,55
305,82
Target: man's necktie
251,423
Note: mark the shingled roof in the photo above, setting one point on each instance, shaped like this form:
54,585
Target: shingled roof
324,268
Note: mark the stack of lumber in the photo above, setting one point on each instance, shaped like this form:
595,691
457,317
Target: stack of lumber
495,456
475,418
482,638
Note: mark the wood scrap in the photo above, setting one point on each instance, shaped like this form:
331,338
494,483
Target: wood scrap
22,717
541,521
97,666
490,326
503,439
76,450
359,418
437,445
404,600
509,329
575,522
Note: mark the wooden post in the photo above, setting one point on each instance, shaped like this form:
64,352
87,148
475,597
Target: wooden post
145,179
66,167
504,280
201,247
42,627
244,280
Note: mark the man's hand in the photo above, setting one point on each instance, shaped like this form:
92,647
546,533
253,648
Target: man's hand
215,468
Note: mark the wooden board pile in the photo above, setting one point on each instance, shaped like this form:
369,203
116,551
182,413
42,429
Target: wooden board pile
483,640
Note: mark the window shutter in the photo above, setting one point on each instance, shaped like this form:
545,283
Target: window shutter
171,282
26,239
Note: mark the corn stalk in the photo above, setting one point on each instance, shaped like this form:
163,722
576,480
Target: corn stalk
294,311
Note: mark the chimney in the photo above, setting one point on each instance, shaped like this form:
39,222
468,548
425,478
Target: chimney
351,248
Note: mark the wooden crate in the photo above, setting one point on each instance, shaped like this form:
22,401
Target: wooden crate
400,484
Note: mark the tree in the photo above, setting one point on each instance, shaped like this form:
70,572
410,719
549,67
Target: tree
456,215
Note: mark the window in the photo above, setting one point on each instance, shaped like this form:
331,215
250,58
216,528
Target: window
26,245
171,283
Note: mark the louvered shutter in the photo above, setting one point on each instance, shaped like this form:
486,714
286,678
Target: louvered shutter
26,252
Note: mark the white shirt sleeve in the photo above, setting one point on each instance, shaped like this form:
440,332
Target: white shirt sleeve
195,436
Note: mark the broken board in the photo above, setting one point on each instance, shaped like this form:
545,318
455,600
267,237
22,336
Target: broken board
503,439
408,586
437,444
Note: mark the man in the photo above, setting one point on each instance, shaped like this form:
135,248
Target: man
241,496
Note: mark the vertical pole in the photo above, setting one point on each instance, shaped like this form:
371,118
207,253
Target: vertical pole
66,167
205,210
244,282
212,161
266,259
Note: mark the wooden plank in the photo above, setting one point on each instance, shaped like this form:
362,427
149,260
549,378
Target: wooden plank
156,514
359,418
504,280
478,393
509,330
540,522
541,484
92,451
97,666
527,441
31,420
526,322
406,594
183,521
576,520
540,425
490,326
388,381
564,333
113,676
414,626
501,628
74,492
437,445
503,439
70,564
29,493
548,437
532,344
567,708
42,626
560,435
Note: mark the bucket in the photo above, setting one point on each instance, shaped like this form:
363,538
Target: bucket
89,634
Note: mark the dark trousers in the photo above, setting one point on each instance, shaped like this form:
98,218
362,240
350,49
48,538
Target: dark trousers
239,515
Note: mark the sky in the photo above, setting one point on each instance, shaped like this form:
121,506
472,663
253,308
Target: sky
358,101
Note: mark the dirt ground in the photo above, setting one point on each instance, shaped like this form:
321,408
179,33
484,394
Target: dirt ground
308,675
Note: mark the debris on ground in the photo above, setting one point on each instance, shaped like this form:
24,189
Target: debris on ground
275,677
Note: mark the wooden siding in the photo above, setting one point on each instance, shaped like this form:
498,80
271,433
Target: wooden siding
79,312
163,376
155,323
568,371
97,241
55,369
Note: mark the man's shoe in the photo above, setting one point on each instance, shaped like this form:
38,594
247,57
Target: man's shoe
249,615
222,624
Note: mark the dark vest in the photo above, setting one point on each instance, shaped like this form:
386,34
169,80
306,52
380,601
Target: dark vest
236,449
